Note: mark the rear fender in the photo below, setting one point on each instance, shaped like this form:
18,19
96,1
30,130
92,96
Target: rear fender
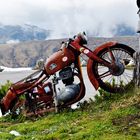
6,102
9,100
91,75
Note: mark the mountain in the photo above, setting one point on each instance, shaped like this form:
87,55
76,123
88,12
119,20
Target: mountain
26,54
115,30
123,30
22,46
18,33
26,32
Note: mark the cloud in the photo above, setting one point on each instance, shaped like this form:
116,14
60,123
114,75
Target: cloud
67,17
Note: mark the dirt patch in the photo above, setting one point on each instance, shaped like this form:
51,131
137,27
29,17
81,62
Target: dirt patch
129,125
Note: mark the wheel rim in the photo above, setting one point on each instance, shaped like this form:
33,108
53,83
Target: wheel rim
115,80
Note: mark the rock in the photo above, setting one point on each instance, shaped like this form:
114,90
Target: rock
138,125
13,132
0,113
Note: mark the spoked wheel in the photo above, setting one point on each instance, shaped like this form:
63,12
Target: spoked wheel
120,78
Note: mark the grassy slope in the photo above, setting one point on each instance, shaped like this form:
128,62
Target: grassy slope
114,117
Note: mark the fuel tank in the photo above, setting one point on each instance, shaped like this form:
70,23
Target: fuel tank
59,60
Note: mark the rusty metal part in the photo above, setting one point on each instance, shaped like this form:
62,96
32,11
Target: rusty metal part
59,60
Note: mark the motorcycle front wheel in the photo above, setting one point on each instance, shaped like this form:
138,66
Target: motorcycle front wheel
122,78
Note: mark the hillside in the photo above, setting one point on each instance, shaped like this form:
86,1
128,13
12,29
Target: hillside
110,117
27,53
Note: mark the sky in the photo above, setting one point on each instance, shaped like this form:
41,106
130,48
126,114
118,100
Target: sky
67,17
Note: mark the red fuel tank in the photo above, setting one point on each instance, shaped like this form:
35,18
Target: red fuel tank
59,60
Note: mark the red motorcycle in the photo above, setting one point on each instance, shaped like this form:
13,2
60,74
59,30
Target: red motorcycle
108,67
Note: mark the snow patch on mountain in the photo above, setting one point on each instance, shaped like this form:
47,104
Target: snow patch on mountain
20,33
12,42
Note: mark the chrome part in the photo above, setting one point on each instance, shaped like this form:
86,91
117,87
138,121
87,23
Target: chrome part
119,68
68,93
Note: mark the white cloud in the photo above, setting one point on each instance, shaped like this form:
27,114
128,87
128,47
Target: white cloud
67,17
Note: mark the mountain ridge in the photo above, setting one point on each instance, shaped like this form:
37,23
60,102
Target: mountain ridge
26,32
18,33
25,54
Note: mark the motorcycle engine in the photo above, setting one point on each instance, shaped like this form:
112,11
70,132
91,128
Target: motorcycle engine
71,90
66,75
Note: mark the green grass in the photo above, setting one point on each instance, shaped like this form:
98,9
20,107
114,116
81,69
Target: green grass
110,117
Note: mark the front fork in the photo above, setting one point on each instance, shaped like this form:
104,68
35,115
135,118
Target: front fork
94,57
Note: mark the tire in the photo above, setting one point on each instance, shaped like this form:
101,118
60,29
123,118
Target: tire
115,82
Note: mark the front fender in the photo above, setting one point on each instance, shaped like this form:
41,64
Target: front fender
91,75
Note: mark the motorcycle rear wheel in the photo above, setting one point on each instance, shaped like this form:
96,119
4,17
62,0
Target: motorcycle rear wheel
122,78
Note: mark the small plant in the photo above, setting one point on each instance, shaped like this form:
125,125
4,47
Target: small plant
103,95
4,89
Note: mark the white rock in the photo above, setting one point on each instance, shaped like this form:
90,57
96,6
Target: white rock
74,106
0,113
13,132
